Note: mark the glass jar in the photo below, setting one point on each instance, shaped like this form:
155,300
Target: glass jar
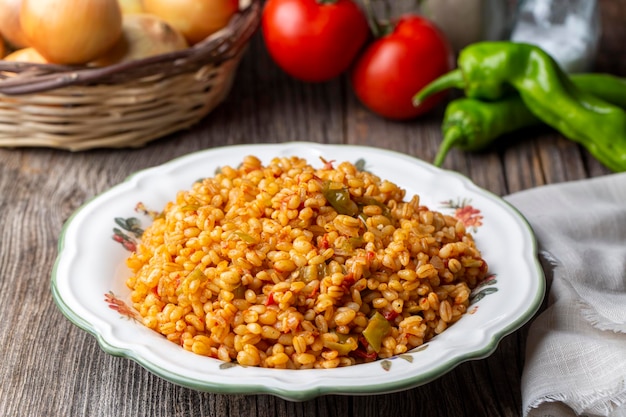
468,21
568,30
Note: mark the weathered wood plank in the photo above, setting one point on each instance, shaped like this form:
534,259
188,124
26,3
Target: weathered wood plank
50,367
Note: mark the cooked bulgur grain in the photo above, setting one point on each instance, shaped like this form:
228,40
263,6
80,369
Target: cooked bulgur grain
289,266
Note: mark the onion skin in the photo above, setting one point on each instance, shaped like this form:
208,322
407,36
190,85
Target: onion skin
10,26
26,55
195,19
131,6
71,31
143,35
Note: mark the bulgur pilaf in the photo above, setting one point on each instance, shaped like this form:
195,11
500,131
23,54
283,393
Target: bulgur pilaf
291,266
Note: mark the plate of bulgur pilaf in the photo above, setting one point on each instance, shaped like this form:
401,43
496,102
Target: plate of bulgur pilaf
298,270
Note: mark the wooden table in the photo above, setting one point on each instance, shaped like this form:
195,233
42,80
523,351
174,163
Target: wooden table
50,367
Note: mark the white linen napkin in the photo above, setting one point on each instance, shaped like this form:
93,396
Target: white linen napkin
576,349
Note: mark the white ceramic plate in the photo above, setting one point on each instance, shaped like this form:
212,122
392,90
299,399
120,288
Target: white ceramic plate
88,280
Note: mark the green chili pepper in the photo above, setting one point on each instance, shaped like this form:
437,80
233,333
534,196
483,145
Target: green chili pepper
339,199
196,274
246,237
376,330
487,70
369,201
343,347
471,125
239,293
609,88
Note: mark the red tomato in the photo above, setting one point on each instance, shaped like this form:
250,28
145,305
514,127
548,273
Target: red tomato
396,66
313,40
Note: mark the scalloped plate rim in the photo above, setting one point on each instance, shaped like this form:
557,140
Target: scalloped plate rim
301,394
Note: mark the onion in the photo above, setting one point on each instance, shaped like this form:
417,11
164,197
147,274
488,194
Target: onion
26,55
71,31
143,35
131,6
10,23
195,19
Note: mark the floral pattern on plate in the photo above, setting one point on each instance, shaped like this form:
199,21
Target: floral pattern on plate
88,267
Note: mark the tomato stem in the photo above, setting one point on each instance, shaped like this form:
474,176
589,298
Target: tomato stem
379,28
371,18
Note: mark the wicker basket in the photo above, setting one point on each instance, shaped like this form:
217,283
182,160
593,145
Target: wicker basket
122,105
